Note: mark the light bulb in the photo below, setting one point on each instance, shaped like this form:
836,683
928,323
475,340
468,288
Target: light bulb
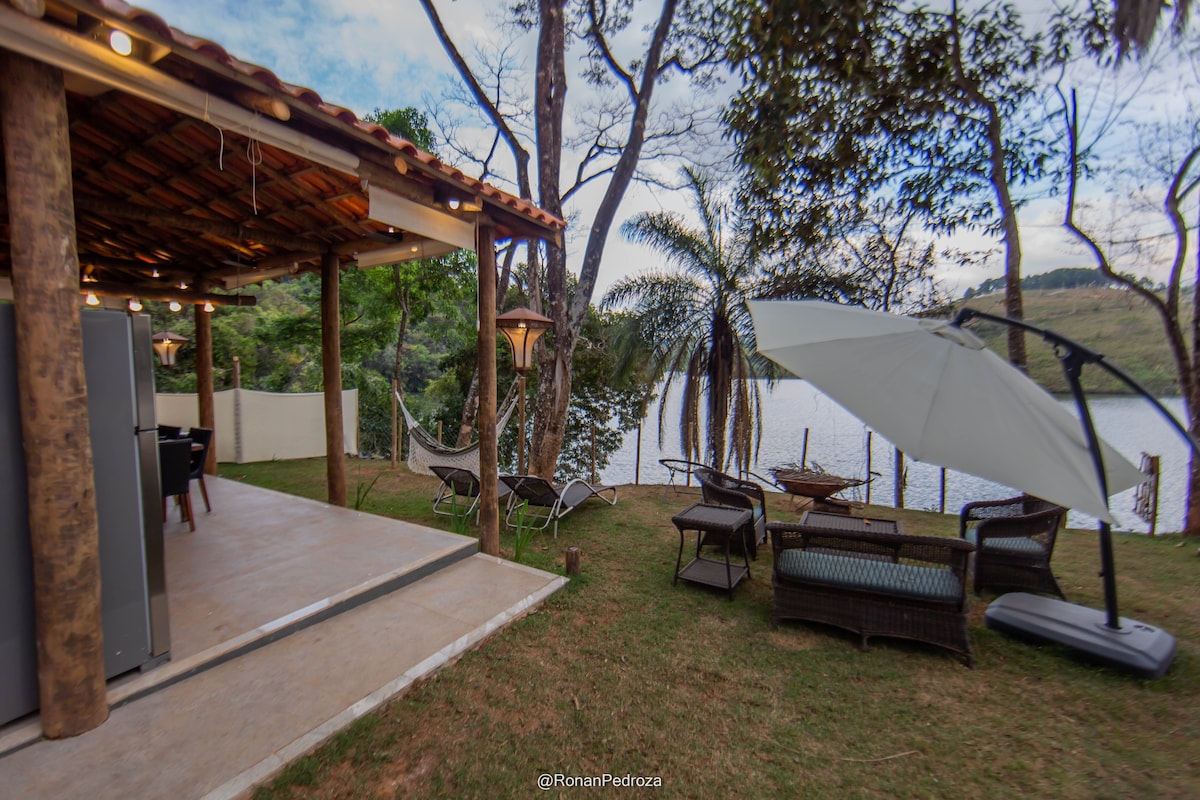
135,305
154,272
182,285
92,300
175,305
454,203
120,42
208,306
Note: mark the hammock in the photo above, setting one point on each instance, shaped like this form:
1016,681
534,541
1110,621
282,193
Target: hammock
425,451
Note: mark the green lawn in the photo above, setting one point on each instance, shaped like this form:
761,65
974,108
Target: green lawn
623,673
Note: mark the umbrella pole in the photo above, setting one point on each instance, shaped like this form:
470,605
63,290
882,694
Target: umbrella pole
1072,364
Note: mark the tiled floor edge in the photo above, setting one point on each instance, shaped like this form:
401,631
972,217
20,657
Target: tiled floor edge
173,672
242,785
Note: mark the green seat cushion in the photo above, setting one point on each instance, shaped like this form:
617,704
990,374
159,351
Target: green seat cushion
901,580
1015,545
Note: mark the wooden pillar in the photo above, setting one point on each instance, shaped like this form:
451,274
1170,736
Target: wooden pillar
63,527
331,367
489,467
204,379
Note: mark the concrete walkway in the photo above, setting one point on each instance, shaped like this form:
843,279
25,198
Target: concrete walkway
218,721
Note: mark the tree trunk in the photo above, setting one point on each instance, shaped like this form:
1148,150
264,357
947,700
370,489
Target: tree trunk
63,526
331,367
569,312
720,379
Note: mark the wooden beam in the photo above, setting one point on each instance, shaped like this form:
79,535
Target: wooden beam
331,367
489,470
168,219
206,405
63,525
34,8
272,106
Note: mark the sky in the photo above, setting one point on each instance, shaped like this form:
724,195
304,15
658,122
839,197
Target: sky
369,54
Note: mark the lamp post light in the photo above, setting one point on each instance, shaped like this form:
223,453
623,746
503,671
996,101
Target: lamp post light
167,345
522,328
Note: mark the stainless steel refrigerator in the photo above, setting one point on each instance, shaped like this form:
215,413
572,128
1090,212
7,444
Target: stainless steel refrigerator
119,367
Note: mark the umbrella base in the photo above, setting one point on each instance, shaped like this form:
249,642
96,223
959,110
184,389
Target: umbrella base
1136,648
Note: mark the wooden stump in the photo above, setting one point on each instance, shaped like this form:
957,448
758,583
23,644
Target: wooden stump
572,556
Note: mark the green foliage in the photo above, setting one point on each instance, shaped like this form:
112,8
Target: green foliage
362,490
692,322
460,517
1065,278
408,123
523,531
836,108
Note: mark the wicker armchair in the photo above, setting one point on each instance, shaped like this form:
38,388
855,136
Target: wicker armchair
719,489
1014,541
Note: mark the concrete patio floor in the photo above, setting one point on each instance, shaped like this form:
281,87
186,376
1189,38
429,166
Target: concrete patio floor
289,620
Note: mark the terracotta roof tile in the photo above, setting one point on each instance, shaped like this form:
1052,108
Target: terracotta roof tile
215,52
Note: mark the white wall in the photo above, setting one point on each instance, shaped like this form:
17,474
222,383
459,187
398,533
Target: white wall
263,426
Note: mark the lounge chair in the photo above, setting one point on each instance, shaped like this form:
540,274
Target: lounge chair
1014,541
545,503
719,489
459,490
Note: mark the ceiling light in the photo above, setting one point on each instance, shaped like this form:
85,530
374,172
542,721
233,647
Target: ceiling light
454,203
182,285
92,300
120,42
208,306
135,305
154,272
175,305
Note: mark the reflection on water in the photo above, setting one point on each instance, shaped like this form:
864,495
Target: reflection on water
837,441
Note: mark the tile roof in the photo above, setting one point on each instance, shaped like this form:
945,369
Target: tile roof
214,52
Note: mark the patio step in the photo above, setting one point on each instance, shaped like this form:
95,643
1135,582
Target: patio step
134,686
234,725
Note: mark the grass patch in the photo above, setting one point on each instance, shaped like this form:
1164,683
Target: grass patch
623,673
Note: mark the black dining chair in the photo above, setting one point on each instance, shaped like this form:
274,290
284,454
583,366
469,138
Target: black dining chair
174,472
169,431
202,437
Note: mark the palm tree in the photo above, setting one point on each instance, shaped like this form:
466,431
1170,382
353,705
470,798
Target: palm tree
693,322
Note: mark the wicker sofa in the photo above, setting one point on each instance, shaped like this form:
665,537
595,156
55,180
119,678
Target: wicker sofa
874,584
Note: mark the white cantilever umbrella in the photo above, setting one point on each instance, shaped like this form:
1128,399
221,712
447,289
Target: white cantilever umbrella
937,393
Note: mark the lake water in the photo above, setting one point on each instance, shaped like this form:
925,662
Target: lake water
837,441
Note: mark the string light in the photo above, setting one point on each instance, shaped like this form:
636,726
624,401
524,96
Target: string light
92,300
135,305
175,305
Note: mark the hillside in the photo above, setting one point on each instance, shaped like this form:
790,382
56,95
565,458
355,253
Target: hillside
1113,322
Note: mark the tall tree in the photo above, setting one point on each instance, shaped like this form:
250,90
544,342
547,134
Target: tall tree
1175,158
692,323
611,139
941,110
1136,21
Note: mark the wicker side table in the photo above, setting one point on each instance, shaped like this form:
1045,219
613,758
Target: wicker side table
714,526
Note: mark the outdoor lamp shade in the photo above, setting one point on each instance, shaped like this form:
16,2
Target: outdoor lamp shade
522,328
167,344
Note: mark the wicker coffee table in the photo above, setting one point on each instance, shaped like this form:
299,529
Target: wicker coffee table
714,525
841,523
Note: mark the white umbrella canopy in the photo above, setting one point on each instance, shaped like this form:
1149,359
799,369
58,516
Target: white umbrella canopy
937,393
